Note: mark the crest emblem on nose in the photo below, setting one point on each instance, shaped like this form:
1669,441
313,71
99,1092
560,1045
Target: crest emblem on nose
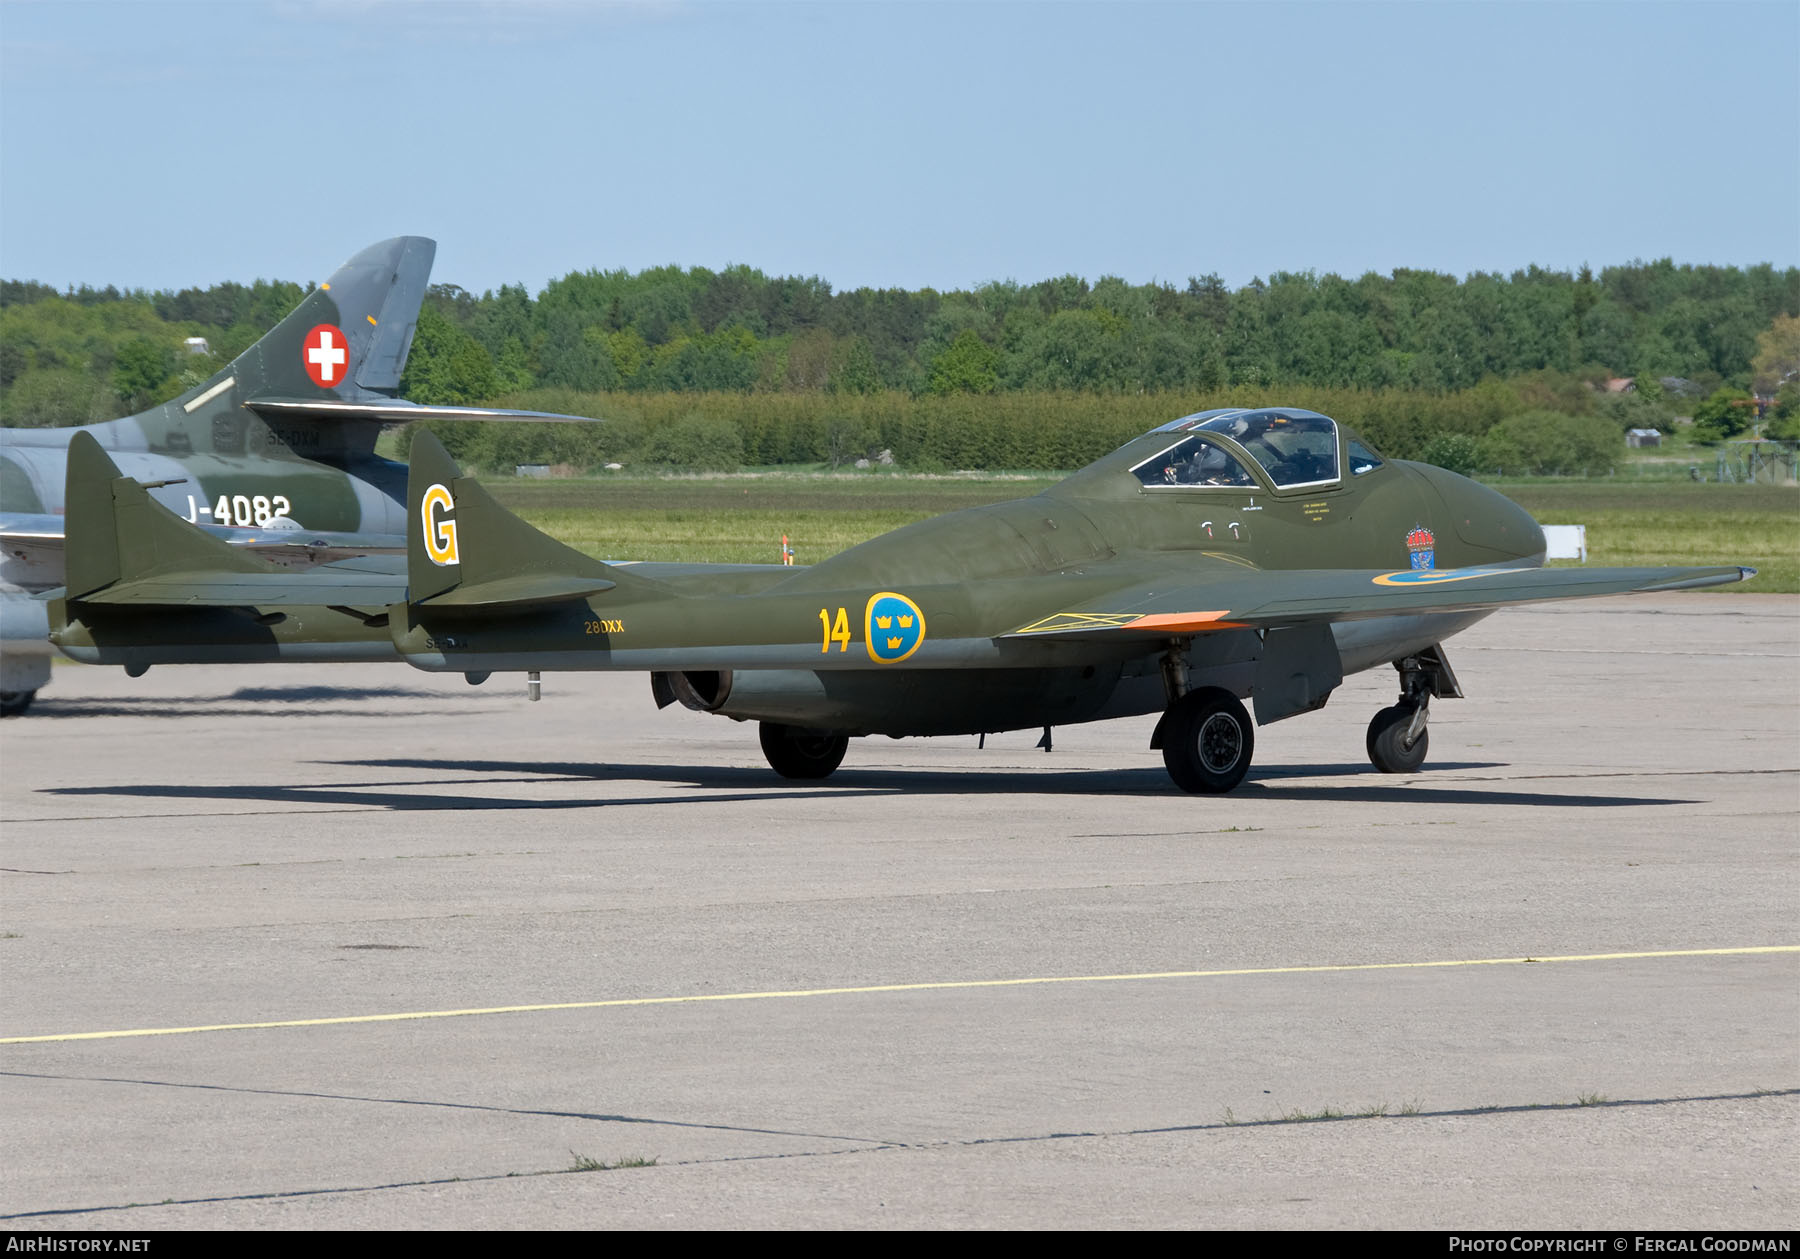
1422,547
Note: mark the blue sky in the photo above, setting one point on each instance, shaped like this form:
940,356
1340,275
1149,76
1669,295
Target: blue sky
163,145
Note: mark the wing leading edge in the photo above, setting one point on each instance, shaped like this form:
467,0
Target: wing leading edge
1266,599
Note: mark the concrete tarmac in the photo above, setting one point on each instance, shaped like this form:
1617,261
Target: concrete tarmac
949,987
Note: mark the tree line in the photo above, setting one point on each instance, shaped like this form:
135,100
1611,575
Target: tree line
670,329
1411,352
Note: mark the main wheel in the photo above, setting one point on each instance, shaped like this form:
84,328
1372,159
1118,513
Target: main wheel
14,703
1388,751
1208,741
797,753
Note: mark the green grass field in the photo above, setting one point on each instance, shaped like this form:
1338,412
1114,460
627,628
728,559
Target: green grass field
740,519
1679,523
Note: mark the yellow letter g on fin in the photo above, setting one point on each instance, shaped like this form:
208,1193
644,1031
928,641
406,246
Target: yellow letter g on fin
440,534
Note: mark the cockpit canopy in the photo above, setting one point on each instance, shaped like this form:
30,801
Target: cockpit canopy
1195,461
1295,448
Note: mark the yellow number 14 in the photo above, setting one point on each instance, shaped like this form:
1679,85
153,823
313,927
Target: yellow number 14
835,632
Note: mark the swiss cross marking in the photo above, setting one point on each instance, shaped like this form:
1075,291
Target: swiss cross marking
326,354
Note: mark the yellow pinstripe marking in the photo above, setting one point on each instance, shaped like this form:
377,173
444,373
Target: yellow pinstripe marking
941,986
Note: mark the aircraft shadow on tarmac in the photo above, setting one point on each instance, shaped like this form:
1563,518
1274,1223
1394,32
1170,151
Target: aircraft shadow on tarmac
733,784
1264,785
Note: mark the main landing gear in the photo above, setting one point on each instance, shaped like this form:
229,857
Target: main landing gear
797,753
1398,738
1207,741
20,678
1206,737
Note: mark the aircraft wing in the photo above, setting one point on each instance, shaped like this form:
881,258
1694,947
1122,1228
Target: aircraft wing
30,526
31,538
1265,598
306,548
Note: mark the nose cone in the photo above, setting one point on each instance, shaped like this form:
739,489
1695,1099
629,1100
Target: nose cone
1486,519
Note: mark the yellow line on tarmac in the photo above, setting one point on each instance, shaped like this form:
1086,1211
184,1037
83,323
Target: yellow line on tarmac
871,988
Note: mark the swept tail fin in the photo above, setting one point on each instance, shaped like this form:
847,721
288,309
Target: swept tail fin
123,547
339,356
348,339
117,533
464,550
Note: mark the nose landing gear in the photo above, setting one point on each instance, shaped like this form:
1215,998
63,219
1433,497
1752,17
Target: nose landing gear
1398,738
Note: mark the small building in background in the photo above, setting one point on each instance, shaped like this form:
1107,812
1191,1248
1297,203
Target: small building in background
1638,437
196,345
1565,542
1622,384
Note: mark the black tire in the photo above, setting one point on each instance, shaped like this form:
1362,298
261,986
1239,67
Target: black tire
14,703
1387,751
797,753
1208,741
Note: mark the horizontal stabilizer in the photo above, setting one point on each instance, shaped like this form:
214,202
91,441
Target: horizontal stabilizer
282,588
38,538
1267,598
531,588
397,411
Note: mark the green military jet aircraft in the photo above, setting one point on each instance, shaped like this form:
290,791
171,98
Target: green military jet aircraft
1260,553
275,451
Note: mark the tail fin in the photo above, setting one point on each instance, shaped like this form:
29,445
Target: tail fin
117,533
320,383
465,550
348,339
123,547
336,359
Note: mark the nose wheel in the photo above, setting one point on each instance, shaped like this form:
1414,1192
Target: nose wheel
1398,738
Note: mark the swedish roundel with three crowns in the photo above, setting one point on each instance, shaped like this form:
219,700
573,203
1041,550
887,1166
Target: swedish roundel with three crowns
893,627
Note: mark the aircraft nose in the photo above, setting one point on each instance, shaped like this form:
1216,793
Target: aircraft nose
1486,518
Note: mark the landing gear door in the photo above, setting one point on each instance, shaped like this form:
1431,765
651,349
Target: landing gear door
1297,671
